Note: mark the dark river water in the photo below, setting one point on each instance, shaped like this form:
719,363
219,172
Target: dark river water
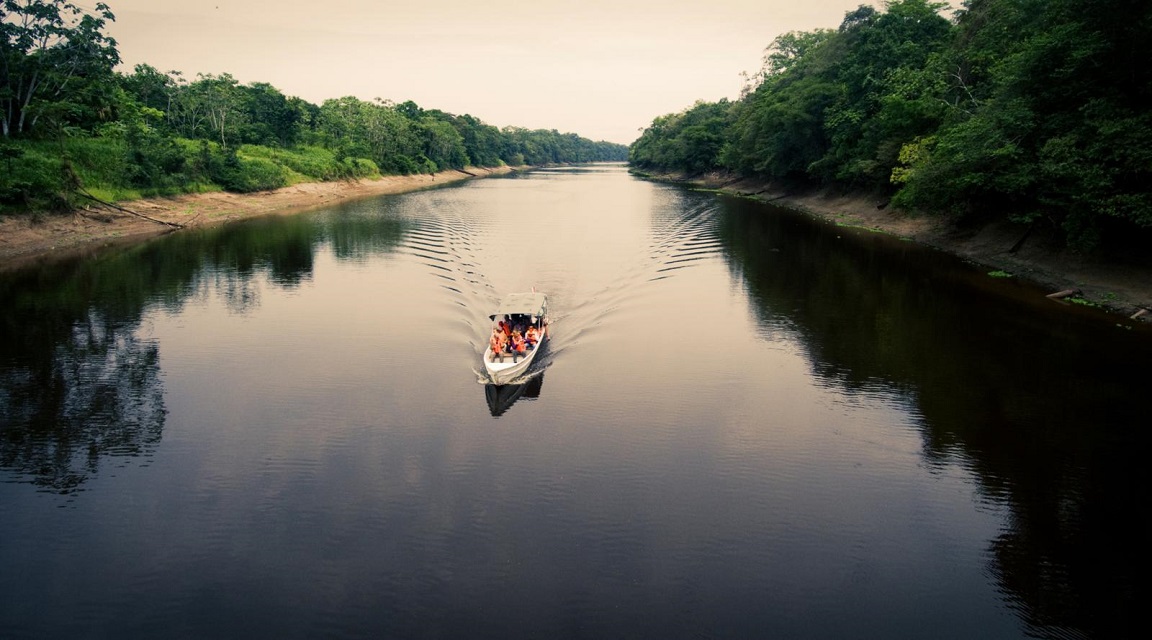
746,425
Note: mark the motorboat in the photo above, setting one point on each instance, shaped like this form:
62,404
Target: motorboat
519,315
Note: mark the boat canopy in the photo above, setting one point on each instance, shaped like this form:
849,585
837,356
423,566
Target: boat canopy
528,304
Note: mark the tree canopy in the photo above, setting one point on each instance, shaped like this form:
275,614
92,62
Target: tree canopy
55,64
1038,110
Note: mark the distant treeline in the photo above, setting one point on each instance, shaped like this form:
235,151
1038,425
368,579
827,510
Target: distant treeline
71,123
1036,110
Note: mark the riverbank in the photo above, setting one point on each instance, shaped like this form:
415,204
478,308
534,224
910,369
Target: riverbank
1041,260
1119,288
28,240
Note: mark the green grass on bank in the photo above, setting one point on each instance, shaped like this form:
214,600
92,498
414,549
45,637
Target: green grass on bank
47,175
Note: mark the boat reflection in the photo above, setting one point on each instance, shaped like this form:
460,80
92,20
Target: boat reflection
501,397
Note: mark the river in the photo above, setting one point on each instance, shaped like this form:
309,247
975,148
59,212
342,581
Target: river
745,424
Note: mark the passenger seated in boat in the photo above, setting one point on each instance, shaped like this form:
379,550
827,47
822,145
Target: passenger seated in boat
531,336
518,344
498,342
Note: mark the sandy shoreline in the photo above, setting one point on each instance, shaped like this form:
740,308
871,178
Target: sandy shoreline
1120,289
26,242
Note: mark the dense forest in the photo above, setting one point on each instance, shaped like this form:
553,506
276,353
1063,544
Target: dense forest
1035,110
72,124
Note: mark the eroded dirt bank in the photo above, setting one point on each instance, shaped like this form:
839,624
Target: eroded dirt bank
1119,288
26,241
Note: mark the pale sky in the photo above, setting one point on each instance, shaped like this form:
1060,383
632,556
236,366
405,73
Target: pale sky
600,68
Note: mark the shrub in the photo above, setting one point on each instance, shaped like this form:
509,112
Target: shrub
313,163
246,175
154,162
358,168
34,181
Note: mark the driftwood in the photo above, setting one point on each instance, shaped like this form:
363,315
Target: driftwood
773,198
87,213
174,225
1139,314
1067,293
191,220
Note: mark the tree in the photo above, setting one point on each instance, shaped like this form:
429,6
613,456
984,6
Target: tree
221,99
1049,120
481,141
271,118
785,51
374,130
150,87
689,141
55,62
443,144
878,53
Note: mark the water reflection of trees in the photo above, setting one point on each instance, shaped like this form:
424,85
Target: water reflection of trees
95,393
79,384
1042,408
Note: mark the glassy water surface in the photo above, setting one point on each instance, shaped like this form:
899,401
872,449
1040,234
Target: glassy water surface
746,424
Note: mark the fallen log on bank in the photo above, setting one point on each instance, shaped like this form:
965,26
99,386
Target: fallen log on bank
91,215
85,194
1020,242
1067,293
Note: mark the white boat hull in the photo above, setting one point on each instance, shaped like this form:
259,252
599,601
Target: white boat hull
503,369
503,373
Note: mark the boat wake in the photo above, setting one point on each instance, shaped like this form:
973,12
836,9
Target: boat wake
467,243
680,238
